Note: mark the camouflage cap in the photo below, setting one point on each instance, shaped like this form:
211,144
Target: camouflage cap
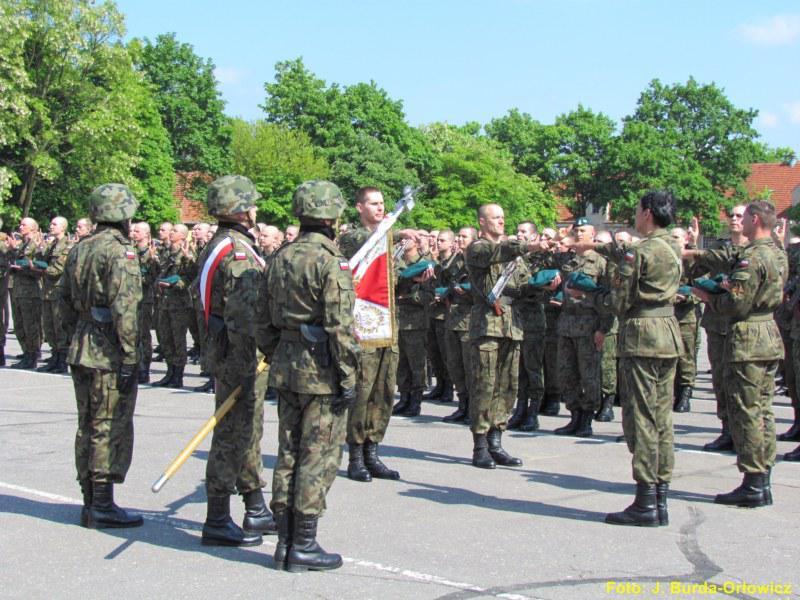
317,200
112,203
230,195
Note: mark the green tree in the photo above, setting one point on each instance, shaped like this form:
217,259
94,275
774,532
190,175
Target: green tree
689,138
190,104
277,159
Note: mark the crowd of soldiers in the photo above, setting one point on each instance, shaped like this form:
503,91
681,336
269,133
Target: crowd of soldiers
509,326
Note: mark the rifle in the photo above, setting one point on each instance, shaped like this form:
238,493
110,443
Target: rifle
500,285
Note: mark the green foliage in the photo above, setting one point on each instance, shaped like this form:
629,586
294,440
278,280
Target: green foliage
277,160
688,138
189,102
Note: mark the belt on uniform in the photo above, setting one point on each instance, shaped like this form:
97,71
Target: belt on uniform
651,311
759,318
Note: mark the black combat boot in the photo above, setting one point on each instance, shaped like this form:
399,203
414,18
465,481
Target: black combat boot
220,530
374,464
283,519
447,394
86,492
480,452
403,404
606,412
436,392
165,381
144,374
28,361
642,513
498,453
723,443
48,365
177,377
531,422
257,518
356,470
572,426
684,402
460,415
793,433
793,456
520,411
584,428
305,554
662,489
551,405
206,388
61,367
104,514
158,354
414,405
750,494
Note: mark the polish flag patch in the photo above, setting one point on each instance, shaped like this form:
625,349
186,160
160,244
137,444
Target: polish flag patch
744,263
629,256
344,265
130,254
239,256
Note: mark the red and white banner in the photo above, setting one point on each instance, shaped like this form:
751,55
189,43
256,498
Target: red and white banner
374,286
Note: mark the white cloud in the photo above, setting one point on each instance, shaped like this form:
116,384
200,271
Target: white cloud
768,119
793,108
228,75
781,29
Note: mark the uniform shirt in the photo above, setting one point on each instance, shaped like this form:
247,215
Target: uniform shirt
101,271
579,317
460,305
27,282
148,268
756,290
413,299
309,282
177,263
55,255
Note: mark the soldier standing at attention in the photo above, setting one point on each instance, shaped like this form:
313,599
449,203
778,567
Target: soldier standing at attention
230,275
53,259
99,293
494,340
642,296
686,312
369,417
306,333
148,267
26,299
753,348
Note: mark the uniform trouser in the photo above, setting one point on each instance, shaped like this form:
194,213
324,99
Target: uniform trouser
368,418
687,361
531,366
310,440
608,365
715,345
437,351
194,326
749,389
789,366
4,312
174,325
199,319
579,372
646,386
104,442
458,359
411,362
234,460
495,366
551,385
145,341
157,326
28,323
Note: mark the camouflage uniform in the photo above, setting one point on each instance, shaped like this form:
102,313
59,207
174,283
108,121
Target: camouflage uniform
369,417
176,306
412,300
26,299
552,387
435,344
687,313
752,351
148,268
55,255
5,260
457,329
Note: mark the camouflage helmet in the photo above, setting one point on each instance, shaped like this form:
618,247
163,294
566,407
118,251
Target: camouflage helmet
231,194
112,203
317,200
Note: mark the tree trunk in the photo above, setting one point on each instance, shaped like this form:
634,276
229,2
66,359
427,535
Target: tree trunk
26,191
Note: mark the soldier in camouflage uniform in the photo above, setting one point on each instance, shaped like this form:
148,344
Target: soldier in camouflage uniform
26,299
437,349
99,292
306,333
608,354
456,279
752,350
369,417
792,347
149,268
177,273
231,273
581,331
686,311
494,340
53,259
552,310
649,344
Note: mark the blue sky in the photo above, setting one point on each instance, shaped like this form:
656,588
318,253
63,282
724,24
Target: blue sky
467,60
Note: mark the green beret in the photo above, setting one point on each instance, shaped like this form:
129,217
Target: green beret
712,286
581,281
543,277
418,268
